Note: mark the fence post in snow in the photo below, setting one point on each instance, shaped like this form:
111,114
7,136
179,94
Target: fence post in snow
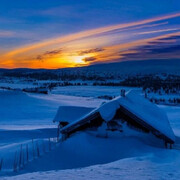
27,153
33,149
44,147
15,162
53,142
49,144
20,157
23,154
37,146
23,158
1,164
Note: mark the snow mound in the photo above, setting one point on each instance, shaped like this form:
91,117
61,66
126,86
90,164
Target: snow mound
108,110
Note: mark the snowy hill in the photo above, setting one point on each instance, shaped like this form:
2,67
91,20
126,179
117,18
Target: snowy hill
86,155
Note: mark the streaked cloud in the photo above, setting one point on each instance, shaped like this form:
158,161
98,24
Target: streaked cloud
89,33
48,54
89,59
155,48
110,43
159,31
6,34
89,51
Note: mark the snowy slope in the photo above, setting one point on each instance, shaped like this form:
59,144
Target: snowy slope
112,158
150,167
35,110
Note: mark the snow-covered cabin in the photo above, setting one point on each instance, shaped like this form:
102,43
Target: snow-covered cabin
133,109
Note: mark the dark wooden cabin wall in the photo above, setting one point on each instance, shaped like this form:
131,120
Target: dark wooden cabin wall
130,121
95,123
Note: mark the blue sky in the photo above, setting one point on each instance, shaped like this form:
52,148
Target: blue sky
27,22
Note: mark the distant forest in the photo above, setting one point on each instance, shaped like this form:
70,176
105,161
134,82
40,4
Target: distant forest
167,82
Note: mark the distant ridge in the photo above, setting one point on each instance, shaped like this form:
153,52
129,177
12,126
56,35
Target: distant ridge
142,65
126,67
135,67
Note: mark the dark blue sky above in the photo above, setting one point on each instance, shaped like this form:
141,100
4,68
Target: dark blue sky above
24,22
61,17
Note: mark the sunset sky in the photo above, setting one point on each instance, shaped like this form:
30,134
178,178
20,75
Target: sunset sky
70,33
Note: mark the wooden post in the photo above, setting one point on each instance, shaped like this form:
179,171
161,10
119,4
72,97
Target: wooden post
44,147
15,162
37,146
20,157
33,149
64,137
170,146
1,164
49,144
58,131
23,158
27,153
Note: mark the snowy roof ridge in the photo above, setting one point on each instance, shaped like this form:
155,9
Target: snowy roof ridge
140,107
148,112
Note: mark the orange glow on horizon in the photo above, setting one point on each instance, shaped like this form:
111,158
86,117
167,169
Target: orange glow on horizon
85,47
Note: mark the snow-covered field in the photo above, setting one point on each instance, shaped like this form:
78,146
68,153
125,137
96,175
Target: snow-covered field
83,156
90,91
150,167
18,108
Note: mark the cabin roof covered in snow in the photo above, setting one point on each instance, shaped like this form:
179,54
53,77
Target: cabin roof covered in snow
71,113
148,112
133,102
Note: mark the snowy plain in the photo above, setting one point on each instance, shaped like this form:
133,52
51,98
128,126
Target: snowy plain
90,91
83,156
